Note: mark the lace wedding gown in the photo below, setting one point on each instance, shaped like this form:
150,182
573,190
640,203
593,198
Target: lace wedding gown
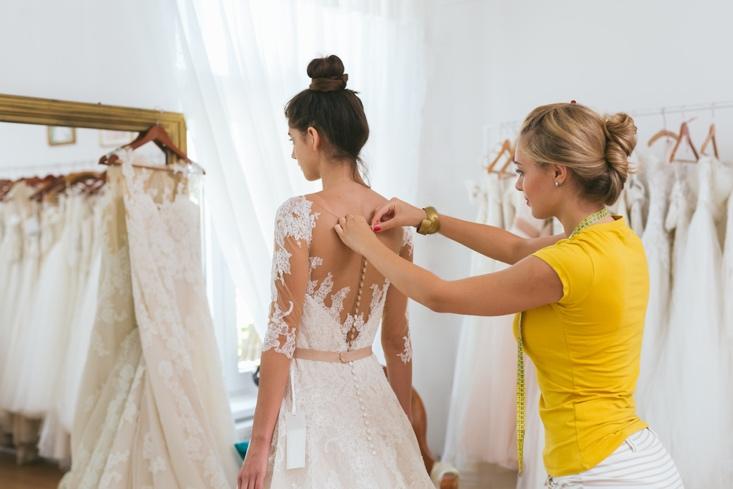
657,244
357,434
152,410
694,359
481,421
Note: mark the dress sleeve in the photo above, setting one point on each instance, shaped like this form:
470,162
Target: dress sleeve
290,267
396,322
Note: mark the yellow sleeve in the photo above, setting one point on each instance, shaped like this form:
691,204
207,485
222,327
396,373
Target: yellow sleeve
574,267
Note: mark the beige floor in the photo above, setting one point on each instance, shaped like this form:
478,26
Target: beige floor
38,475
487,476
42,475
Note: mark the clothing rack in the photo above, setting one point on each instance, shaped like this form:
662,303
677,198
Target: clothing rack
24,171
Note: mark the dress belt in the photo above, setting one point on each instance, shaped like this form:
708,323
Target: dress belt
333,356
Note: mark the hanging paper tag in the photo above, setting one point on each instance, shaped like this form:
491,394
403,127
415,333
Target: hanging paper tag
295,440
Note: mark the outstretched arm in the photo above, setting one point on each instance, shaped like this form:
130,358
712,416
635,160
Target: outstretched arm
490,241
528,284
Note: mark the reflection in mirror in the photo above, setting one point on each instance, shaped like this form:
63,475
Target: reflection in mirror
28,150
51,186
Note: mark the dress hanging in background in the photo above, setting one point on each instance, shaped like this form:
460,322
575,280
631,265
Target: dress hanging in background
153,410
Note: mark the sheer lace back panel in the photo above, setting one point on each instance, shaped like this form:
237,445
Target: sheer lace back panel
323,289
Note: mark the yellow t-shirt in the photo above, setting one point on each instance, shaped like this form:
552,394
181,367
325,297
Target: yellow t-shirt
586,347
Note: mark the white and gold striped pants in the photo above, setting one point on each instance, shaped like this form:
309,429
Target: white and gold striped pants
640,462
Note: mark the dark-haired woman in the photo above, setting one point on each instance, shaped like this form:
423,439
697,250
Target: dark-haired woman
326,416
581,299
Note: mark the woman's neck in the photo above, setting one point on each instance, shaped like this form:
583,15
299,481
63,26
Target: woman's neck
573,215
336,174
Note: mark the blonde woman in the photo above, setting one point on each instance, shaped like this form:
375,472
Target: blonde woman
581,297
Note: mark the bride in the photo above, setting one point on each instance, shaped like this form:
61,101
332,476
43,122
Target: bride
326,415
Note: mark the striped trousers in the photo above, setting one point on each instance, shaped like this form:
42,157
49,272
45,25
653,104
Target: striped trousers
640,462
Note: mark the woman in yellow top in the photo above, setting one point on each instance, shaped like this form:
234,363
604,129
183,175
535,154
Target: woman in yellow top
581,296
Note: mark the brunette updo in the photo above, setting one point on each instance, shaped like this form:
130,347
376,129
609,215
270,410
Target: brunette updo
335,111
595,148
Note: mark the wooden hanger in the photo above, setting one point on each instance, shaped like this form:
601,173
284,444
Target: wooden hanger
664,133
506,147
509,160
54,184
710,139
155,134
90,181
5,186
683,134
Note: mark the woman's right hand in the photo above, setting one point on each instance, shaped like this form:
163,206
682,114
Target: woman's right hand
396,213
253,470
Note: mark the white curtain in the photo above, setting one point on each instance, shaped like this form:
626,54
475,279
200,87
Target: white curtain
243,60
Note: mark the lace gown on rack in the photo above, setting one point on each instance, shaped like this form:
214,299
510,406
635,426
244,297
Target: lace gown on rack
20,300
357,435
11,259
42,334
656,240
481,421
84,262
694,359
153,411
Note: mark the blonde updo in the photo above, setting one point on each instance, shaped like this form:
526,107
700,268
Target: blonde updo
596,149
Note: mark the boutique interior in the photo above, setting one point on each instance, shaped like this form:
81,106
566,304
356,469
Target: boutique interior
144,154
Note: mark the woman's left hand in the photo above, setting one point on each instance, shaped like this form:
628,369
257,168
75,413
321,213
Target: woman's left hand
356,233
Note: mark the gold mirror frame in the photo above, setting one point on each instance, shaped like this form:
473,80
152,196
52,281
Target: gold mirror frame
48,112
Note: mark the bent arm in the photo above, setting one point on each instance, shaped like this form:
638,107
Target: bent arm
492,241
396,341
528,284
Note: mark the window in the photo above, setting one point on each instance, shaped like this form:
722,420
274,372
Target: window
249,343
238,341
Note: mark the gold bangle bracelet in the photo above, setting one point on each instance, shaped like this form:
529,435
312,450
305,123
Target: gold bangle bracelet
431,223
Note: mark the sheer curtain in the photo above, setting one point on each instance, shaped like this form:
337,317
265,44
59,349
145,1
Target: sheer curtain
242,60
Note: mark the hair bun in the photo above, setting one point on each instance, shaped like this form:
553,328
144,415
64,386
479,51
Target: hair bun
327,74
620,133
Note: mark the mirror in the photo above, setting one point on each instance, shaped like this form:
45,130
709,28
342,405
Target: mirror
49,259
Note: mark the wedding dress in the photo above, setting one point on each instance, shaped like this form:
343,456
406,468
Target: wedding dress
357,434
42,334
694,359
656,241
481,420
20,299
57,424
153,410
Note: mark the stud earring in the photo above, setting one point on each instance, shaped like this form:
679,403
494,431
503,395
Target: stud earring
557,184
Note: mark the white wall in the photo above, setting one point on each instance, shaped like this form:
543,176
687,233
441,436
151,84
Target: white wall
492,61
113,52
450,154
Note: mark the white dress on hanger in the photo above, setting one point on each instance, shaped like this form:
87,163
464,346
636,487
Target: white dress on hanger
21,304
57,425
481,420
636,198
656,241
41,343
728,276
153,410
694,359
11,259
